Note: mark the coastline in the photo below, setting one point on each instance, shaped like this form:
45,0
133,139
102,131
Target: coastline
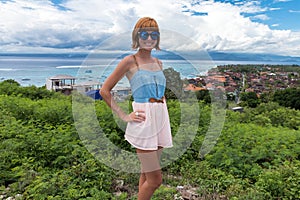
35,69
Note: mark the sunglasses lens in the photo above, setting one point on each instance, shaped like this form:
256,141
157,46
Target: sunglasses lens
154,35
144,35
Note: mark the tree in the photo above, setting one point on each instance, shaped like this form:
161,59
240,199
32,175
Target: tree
9,87
11,81
203,95
266,97
289,97
249,99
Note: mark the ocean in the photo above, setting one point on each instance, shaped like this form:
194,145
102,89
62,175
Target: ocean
35,69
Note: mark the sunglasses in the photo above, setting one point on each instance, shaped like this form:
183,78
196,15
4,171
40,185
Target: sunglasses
144,35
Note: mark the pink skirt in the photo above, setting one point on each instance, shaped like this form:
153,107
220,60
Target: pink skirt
152,133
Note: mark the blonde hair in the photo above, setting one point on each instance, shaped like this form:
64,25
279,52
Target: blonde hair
144,24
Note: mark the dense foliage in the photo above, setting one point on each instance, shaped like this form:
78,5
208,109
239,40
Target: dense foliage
42,156
252,68
249,99
288,98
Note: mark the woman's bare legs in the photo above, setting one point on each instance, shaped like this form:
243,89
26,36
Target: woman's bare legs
151,175
142,180
152,182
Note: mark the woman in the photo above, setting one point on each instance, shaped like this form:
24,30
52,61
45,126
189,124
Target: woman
148,128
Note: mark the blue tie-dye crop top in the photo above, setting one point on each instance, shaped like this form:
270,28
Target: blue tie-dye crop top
147,84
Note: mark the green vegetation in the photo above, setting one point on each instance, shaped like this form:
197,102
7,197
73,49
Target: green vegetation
286,98
253,68
42,156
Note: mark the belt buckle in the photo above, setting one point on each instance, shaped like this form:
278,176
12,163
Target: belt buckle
153,100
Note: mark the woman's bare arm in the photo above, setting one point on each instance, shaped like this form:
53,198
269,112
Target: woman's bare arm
121,69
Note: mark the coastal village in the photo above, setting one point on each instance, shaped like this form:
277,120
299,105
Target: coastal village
232,79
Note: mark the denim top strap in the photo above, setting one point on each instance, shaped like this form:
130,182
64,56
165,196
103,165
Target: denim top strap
147,84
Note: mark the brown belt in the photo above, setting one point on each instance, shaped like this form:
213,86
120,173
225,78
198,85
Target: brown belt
153,100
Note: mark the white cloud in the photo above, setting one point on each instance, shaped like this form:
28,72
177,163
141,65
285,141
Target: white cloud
294,11
29,25
275,25
252,7
261,17
274,9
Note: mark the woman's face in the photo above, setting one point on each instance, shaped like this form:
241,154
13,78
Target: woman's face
148,39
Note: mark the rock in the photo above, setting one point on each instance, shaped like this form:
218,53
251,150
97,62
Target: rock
188,193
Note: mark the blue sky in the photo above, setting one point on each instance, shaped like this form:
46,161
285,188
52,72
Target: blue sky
283,14
265,26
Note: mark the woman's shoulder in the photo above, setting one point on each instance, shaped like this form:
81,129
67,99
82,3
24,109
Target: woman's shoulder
128,61
129,58
159,63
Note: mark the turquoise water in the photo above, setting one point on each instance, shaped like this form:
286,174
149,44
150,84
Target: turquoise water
35,70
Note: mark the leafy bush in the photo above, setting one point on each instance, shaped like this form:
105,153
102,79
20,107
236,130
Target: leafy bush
288,97
281,182
249,99
246,149
11,87
269,114
42,156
